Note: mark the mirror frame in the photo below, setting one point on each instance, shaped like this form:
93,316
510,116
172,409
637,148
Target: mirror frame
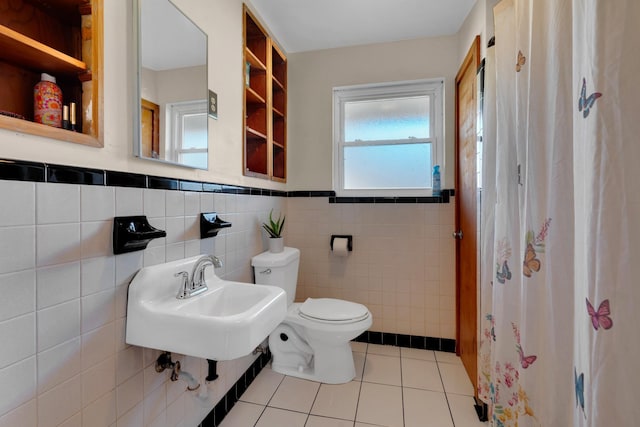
137,96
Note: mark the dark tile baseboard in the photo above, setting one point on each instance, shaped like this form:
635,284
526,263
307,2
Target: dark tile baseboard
411,341
223,407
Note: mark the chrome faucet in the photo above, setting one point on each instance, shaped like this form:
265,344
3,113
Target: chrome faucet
197,284
197,275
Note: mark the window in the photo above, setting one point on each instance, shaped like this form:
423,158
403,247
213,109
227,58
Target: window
387,137
187,133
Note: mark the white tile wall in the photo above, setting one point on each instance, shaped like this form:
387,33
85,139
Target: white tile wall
57,203
57,243
62,321
18,251
20,332
58,324
21,210
59,364
63,312
97,203
402,266
23,297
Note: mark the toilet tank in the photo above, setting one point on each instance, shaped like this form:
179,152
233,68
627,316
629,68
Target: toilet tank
278,269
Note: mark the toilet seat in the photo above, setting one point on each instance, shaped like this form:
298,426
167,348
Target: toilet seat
330,310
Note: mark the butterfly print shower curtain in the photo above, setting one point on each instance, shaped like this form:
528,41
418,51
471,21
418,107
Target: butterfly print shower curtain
560,281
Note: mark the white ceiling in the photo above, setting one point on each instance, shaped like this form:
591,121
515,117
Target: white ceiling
303,25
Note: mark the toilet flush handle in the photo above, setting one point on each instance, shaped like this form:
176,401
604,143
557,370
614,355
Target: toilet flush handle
267,271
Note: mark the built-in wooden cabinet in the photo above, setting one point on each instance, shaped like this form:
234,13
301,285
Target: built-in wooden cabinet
265,103
62,38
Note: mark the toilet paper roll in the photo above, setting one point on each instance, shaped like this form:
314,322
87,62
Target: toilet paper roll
341,246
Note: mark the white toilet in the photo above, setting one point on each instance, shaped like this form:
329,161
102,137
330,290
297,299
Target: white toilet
313,340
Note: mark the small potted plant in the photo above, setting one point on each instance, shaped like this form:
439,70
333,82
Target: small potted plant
274,228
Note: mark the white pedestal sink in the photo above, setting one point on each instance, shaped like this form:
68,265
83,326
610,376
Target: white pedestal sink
227,321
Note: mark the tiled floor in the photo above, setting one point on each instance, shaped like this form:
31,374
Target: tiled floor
394,387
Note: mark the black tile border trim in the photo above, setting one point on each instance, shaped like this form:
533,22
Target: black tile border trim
160,183
22,171
222,408
299,193
123,179
393,200
410,341
443,198
74,175
19,170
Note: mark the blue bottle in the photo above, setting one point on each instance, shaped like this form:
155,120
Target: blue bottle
436,181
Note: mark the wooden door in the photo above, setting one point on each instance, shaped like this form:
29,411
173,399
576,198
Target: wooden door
467,212
150,132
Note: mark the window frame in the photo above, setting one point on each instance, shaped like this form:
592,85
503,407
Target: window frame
175,113
434,88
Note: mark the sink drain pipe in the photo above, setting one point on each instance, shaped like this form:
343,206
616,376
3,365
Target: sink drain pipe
212,375
164,362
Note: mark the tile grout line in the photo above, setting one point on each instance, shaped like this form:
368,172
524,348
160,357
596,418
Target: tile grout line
364,365
266,405
275,391
264,408
312,403
446,396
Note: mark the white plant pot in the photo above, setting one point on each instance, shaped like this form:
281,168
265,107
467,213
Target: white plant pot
276,244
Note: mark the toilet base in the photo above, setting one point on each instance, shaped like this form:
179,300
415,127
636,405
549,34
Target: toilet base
330,365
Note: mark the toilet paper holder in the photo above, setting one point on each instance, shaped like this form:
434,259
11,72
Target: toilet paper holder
339,236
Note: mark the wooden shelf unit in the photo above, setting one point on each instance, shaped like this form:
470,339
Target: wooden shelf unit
62,38
265,103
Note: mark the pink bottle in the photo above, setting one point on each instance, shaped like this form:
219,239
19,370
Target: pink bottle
47,102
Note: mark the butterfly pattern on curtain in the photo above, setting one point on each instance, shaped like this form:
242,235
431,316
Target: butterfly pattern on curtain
599,318
579,384
521,61
503,383
501,380
560,307
585,103
535,244
503,253
505,375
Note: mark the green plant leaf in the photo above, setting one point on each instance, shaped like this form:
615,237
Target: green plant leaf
274,228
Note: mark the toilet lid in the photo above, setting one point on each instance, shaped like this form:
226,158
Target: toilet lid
335,310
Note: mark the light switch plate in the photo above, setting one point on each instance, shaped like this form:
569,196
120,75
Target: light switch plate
213,104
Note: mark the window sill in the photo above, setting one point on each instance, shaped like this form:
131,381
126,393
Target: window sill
444,198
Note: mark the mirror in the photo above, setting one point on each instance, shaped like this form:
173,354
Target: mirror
171,91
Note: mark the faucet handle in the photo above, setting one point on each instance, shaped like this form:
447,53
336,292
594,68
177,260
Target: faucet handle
183,292
217,262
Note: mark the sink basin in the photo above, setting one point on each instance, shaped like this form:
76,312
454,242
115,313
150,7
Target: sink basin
227,321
